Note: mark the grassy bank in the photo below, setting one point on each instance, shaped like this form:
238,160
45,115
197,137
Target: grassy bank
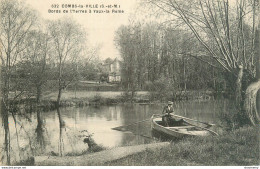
85,98
89,95
71,98
238,148
80,99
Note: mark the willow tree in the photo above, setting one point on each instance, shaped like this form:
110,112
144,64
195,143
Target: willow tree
228,31
15,23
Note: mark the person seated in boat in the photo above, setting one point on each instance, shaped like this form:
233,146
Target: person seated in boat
167,118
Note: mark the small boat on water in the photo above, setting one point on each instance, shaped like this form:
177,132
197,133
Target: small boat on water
179,129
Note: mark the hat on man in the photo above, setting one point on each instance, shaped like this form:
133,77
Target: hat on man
170,103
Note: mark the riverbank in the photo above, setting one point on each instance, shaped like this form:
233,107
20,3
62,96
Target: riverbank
70,98
237,148
96,96
98,158
123,96
85,98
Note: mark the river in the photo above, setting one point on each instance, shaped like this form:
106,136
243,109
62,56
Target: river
99,121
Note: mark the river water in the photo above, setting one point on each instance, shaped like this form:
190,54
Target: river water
99,122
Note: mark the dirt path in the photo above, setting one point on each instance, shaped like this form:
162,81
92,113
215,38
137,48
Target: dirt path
98,158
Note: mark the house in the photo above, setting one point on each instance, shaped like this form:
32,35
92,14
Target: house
113,67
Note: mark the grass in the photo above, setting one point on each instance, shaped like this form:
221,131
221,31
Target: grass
91,97
237,148
88,94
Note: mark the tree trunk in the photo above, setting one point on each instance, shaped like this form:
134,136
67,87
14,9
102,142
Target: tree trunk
250,102
38,95
257,54
60,82
40,130
252,96
247,103
258,102
238,94
59,97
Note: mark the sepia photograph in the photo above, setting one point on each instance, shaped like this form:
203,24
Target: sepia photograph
129,83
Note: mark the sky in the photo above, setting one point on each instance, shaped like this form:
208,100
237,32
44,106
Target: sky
100,27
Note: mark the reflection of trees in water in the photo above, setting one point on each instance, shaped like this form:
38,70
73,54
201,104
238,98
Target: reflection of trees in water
7,146
18,142
108,112
112,113
140,132
70,138
62,128
40,131
64,139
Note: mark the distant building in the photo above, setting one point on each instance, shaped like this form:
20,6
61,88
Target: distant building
113,67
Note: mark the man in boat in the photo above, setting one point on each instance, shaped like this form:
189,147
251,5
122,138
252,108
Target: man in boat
167,119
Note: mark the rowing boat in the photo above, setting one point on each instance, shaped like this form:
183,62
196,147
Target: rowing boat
178,129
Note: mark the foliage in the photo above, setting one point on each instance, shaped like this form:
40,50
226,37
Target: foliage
152,52
68,40
89,72
164,89
33,53
228,35
97,98
128,96
233,119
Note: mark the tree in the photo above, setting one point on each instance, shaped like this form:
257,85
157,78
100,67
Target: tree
126,43
68,40
36,72
233,31
16,21
36,58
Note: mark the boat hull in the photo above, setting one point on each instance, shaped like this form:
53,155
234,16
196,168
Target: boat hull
180,131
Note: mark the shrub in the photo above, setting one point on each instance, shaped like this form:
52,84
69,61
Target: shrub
233,118
163,89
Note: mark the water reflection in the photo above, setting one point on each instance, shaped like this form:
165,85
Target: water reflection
61,134
40,132
59,131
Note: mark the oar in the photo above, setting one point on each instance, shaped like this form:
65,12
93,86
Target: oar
204,129
118,128
192,120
